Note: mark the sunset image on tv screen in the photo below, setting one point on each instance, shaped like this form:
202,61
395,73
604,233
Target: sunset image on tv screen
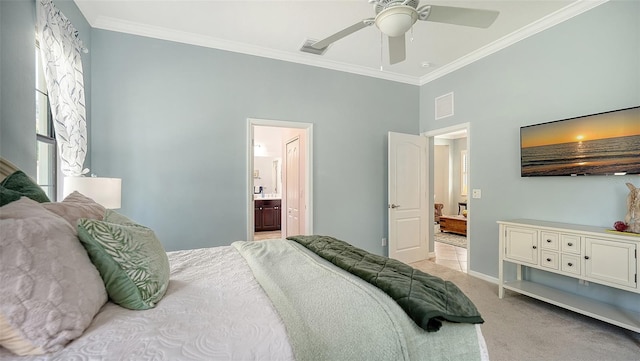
606,143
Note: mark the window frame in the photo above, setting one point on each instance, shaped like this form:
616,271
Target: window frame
464,173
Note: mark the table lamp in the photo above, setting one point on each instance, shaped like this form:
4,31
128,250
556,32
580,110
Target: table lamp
104,191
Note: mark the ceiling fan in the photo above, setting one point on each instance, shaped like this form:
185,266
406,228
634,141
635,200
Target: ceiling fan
395,17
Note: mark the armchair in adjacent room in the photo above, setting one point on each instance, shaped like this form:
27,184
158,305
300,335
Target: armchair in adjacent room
437,212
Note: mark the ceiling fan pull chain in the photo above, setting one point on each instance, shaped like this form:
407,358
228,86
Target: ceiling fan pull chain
411,34
381,52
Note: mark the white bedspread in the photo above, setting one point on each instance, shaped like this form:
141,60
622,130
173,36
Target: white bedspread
213,310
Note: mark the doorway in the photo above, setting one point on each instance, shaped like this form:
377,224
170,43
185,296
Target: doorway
279,164
449,191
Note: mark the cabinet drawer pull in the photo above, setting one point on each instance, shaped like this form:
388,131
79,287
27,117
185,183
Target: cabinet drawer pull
570,244
535,247
586,257
275,207
548,241
548,259
570,264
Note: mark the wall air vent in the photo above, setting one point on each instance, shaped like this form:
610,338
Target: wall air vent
307,48
444,106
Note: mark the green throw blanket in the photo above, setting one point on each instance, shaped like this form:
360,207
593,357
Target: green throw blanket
425,298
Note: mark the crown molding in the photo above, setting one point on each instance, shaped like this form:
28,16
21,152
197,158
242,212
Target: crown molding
555,18
129,27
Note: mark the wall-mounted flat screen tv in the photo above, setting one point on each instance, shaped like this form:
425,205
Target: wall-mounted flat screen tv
598,144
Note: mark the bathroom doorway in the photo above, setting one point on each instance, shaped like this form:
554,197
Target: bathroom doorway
279,178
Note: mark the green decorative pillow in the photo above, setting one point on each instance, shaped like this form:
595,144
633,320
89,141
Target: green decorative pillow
131,260
19,184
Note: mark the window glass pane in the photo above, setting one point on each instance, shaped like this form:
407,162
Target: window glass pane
46,162
45,175
41,84
42,121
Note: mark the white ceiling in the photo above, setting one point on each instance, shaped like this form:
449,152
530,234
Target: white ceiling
277,29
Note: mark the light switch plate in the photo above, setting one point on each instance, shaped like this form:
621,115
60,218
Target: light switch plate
476,193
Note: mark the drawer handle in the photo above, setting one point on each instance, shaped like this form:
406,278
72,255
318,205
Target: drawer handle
570,264
535,247
548,259
570,244
275,207
548,241
586,257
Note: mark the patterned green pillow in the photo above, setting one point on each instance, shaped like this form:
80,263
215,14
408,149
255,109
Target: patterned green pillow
18,184
131,260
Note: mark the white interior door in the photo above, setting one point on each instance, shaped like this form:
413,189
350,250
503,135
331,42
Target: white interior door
408,203
292,191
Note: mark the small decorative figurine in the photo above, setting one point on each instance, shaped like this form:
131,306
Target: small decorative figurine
632,219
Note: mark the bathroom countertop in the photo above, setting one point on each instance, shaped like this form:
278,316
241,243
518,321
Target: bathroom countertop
258,197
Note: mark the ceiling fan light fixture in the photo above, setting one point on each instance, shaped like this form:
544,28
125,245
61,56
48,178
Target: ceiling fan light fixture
396,20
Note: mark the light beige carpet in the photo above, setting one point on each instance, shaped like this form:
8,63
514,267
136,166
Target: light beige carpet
520,328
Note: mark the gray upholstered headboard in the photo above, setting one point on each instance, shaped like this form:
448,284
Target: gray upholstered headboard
6,168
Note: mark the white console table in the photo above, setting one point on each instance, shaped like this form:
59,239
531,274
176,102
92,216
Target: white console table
589,254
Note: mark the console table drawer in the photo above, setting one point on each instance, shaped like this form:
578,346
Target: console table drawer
570,243
549,260
549,240
570,263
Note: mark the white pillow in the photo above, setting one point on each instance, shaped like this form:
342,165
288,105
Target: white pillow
49,289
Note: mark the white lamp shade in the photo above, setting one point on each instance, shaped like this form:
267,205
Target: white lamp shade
395,21
105,191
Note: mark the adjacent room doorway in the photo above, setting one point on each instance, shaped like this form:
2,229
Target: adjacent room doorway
449,191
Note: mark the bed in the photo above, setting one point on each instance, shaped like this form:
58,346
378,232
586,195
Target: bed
268,300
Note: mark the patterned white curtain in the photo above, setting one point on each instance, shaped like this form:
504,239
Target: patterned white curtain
60,50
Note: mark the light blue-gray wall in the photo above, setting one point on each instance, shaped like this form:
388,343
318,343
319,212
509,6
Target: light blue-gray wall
586,65
17,84
17,75
171,120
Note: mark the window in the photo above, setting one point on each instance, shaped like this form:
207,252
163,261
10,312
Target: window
464,173
45,137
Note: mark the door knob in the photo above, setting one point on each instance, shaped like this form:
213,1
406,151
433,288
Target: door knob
394,205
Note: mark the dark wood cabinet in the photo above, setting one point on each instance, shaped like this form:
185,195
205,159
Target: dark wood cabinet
267,215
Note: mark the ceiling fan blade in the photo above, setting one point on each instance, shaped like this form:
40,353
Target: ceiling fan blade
478,18
341,34
397,49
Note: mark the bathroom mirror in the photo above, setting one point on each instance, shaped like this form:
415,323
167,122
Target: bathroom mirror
269,170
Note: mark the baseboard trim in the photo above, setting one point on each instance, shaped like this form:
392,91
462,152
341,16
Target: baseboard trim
483,277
